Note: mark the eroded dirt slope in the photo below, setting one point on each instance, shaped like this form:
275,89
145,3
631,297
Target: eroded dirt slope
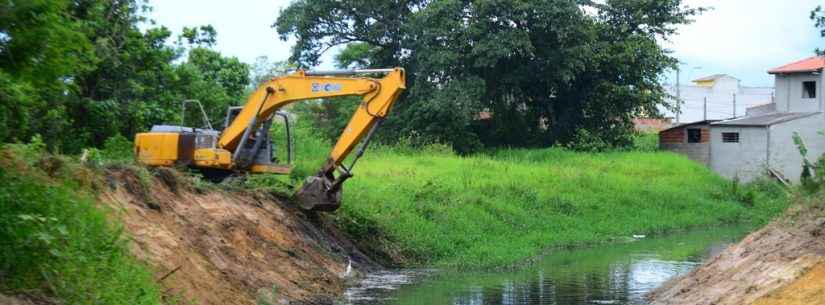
776,258
220,247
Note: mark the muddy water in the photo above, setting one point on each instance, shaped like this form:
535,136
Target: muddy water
619,273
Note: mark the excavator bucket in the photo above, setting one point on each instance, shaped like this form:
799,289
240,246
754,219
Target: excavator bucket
319,193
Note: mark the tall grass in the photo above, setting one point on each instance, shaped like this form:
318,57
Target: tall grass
492,210
55,240
432,206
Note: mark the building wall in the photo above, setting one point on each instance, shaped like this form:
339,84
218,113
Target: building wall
761,109
784,154
675,140
720,101
789,93
746,159
726,84
651,125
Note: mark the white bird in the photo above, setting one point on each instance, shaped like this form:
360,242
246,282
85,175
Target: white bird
348,272
638,236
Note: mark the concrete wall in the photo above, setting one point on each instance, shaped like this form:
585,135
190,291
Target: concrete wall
675,140
746,159
784,155
789,93
761,109
720,102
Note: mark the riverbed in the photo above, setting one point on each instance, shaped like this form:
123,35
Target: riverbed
617,273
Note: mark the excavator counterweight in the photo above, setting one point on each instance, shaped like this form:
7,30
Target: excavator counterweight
245,146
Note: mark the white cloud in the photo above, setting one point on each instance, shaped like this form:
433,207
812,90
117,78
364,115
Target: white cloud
745,38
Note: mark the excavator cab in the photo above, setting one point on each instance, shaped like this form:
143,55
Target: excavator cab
258,152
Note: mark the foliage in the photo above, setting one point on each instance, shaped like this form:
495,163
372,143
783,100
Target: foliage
499,208
264,69
507,205
813,173
585,141
539,71
818,17
117,148
54,238
79,72
646,141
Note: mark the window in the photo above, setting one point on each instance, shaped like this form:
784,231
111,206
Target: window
809,89
694,135
730,137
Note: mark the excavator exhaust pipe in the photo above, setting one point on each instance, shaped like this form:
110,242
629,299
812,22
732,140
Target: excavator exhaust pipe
317,195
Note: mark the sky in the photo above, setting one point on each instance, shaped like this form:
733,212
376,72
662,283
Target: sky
743,38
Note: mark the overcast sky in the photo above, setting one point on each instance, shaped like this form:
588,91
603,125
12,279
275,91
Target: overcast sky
743,38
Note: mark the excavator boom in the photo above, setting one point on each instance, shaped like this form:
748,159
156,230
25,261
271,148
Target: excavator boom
242,143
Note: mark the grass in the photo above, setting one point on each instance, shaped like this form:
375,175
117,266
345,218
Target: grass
494,210
430,206
55,238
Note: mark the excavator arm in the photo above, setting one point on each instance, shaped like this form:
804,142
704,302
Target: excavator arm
323,191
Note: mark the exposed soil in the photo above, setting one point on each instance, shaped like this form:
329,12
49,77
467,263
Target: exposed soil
782,263
220,247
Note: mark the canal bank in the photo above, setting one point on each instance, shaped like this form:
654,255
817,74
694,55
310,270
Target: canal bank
619,273
782,263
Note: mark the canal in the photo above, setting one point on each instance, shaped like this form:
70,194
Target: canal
617,273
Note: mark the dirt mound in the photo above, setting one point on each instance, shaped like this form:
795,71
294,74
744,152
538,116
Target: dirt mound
220,247
762,265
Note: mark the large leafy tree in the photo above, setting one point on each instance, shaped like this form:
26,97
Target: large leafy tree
78,72
515,73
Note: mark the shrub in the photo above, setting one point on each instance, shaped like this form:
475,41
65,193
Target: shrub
54,238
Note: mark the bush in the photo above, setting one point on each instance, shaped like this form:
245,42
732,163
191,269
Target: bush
117,148
646,141
53,238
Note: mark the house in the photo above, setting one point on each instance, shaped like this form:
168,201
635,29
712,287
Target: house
718,83
718,96
761,143
692,140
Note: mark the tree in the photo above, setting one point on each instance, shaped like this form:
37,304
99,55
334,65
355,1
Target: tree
538,70
79,72
818,17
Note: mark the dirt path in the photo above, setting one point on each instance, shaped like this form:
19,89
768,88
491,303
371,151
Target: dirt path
217,247
782,256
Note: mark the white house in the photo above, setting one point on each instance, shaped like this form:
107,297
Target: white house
716,97
761,143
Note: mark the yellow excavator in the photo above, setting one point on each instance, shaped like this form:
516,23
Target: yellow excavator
245,145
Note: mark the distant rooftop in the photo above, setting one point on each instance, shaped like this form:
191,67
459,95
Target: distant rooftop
766,119
810,64
712,77
683,125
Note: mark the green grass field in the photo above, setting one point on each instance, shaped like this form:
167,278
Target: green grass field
496,209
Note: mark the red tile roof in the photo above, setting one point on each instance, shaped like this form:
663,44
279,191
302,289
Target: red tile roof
811,64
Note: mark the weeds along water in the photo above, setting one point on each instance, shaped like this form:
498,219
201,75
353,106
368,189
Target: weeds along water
422,206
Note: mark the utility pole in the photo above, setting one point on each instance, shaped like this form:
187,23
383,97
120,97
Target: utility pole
734,105
705,108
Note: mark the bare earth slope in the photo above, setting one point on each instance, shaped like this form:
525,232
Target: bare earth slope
762,266
218,247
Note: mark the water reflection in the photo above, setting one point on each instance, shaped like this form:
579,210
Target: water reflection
616,274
